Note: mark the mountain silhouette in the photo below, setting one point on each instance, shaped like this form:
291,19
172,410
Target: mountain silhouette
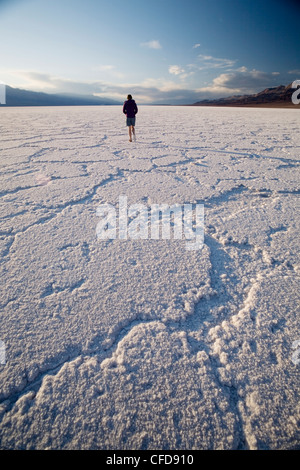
277,97
18,97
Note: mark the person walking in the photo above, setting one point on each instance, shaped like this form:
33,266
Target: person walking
130,109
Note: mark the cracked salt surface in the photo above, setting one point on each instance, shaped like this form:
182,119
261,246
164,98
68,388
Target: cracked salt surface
141,344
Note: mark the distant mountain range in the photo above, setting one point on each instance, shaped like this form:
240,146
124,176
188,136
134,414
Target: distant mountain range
280,96
17,97
277,97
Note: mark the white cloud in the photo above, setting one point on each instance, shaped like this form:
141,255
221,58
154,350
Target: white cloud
108,70
205,57
104,68
195,46
240,81
37,81
176,69
151,90
210,62
180,72
31,80
154,44
242,69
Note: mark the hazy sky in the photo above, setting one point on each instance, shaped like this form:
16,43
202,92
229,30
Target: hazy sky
162,51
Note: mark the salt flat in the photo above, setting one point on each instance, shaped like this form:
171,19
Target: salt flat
142,344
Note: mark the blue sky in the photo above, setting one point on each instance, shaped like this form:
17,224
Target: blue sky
160,51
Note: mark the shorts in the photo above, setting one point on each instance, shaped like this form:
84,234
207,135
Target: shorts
130,121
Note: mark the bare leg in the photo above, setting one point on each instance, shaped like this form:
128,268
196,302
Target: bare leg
130,136
133,132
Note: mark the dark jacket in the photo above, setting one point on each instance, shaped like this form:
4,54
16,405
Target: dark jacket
130,108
